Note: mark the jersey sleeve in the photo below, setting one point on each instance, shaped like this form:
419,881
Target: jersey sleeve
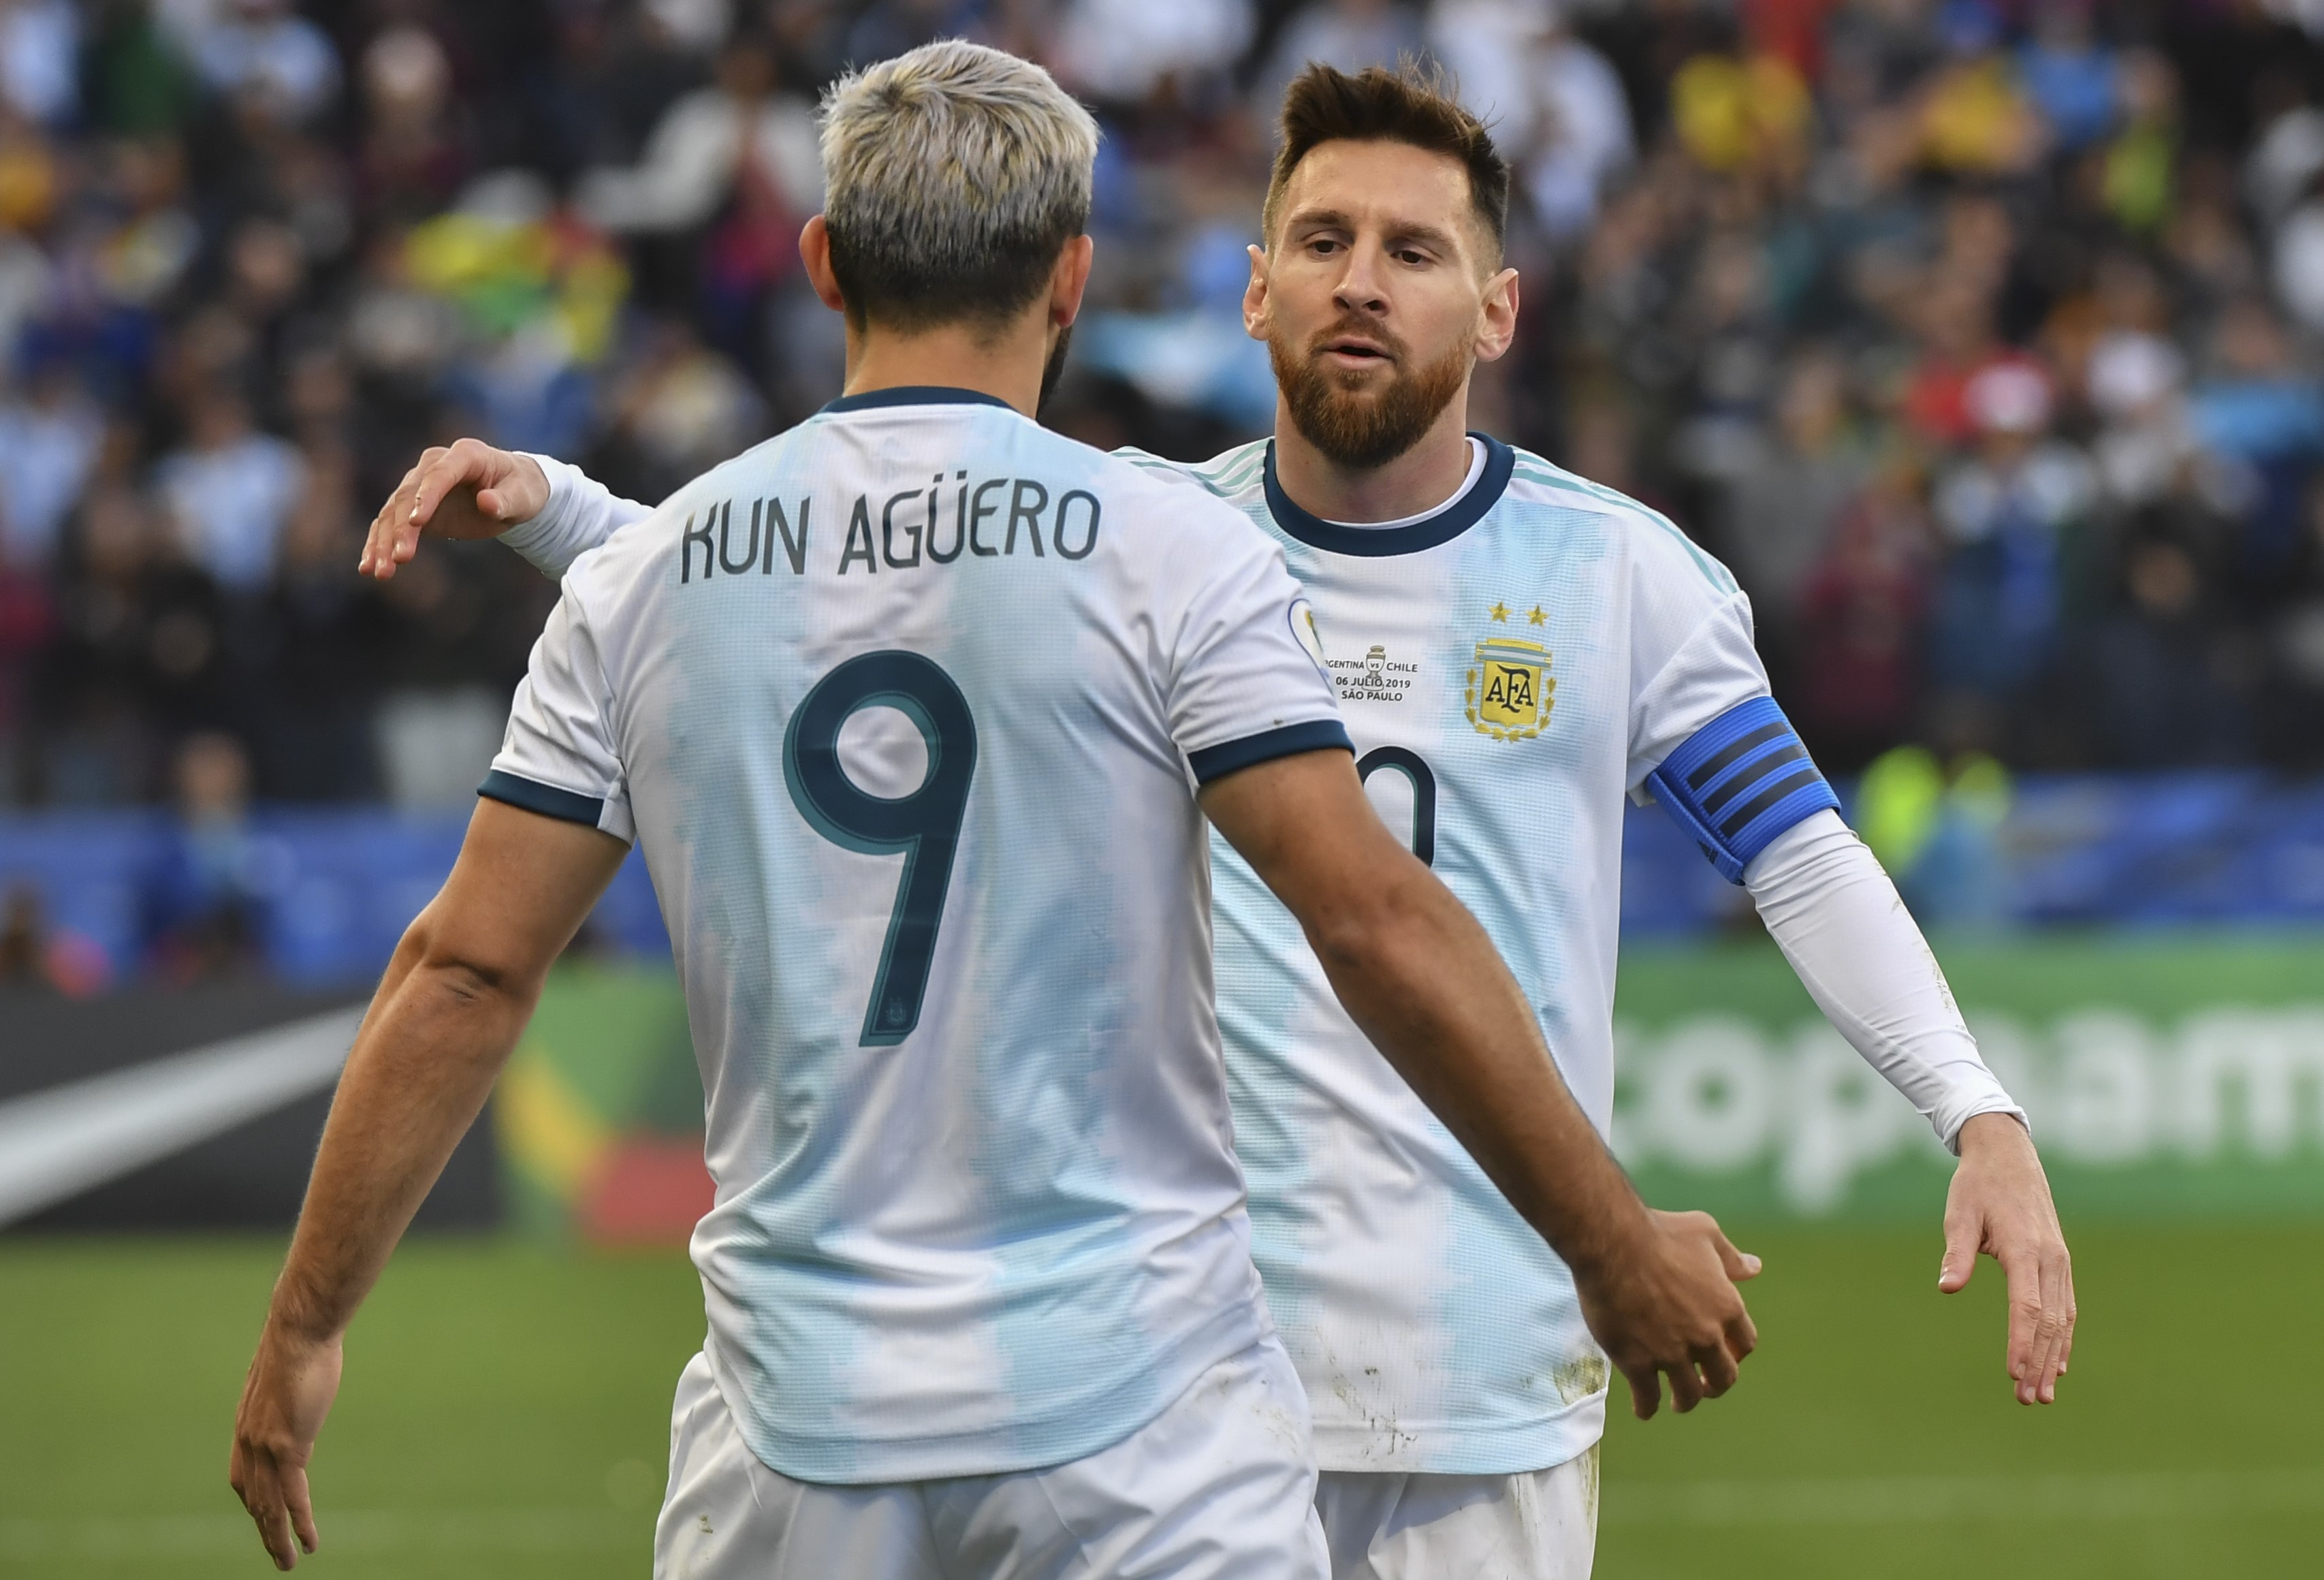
559,758
1838,919
1707,740
1245,679
581,513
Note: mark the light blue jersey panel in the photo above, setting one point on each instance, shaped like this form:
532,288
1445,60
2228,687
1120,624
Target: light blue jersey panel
1509,668
905,707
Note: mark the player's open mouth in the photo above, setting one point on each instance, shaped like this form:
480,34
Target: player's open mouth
1356,354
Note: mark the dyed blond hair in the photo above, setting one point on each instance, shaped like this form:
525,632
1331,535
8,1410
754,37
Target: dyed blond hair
953,177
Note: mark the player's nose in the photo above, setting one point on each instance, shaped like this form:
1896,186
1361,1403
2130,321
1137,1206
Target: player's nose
1362,286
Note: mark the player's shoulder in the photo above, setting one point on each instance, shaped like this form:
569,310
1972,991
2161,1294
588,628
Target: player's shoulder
1174,500
1657,544
612,572
1228,476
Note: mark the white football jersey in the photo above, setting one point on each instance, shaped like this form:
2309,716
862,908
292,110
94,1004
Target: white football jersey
1511,666
906,709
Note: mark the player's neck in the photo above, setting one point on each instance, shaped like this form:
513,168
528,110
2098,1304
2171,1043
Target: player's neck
1007,364
1417,482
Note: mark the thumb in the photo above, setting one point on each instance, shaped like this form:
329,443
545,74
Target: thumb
1740,1264
1961,1238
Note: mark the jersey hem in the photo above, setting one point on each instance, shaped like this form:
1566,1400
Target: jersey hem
546,800
1464,1448
1230,756
1046,1440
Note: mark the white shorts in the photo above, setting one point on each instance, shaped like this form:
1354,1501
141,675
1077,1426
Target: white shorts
1539,1526
1220,1486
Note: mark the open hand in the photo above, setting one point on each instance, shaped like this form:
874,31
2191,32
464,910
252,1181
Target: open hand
1670,1306
2000,1204
467,489
291,1383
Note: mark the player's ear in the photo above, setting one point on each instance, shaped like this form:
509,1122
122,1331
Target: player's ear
1254,296
815,252
1497,315
1069,280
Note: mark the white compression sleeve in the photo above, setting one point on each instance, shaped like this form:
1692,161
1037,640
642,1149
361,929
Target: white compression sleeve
1838,919
580,514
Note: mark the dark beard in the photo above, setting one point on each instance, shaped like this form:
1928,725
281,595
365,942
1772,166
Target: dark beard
1359,432
1055,369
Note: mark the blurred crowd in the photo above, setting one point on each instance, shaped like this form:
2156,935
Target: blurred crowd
1981,338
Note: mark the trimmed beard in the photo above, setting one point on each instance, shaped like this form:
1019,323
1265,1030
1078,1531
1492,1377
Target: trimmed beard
1360,430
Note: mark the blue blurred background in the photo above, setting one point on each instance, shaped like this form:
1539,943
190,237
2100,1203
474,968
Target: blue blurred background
1980,338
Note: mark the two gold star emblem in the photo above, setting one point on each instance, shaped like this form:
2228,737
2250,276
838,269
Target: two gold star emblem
1501,612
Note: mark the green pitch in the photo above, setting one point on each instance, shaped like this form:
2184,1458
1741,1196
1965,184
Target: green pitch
505,1411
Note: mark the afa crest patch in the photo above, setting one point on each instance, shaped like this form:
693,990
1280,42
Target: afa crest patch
1510,690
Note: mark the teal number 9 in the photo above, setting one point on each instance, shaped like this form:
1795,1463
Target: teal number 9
924,825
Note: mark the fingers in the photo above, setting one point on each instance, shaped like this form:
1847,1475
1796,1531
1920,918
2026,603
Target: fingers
440,472
1742,1333
468,461
255,1479
1963,1234
394,535
2056,1339
1720,1369
1685,1386
2025,1316
2073,1312
301,1509
2042,1315
1646,1391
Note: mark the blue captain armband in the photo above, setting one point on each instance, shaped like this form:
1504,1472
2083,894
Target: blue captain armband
1740,780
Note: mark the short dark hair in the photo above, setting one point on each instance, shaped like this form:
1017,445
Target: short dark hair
1410,104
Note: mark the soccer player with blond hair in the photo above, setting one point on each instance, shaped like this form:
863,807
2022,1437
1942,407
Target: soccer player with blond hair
1518,650
922,716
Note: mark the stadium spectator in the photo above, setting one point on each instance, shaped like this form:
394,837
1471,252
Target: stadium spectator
1769,250
39,47
1350,34
261,50
230,492
2006,510
1785,495
207,898
48,437
1121,51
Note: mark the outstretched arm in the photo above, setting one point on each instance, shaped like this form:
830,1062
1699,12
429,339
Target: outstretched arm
1419,976
1840,922
549,512
462,985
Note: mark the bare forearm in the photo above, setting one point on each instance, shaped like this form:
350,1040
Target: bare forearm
1425,984
425,1061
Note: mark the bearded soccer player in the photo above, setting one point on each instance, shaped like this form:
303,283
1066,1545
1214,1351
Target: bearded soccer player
919,712
1518,650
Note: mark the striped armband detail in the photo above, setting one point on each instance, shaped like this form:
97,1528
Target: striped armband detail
1740,780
